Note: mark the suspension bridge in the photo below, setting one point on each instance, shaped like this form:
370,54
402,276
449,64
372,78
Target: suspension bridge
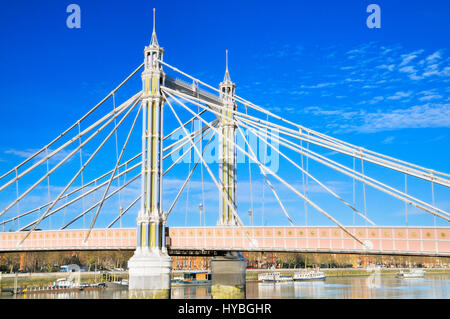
93,192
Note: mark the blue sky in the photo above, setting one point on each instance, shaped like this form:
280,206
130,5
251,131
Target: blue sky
315,62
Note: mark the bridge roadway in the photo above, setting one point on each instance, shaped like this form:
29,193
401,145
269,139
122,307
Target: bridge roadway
426,241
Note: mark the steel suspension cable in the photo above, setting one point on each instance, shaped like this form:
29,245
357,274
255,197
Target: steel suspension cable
199,154
70,193
68,203
73,125
17,199
315,179
87,130
123,212
203,186
78,173
265,153
81,165
250,177
48,189
364,190
117,155
370,181
98,203
329,138
187,178
310,176
354,193
315,158
189,184
266,178
60,163
119,158
268,170
185,152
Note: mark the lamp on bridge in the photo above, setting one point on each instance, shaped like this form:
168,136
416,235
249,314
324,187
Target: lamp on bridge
200,207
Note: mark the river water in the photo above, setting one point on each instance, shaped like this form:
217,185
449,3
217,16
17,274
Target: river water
433,286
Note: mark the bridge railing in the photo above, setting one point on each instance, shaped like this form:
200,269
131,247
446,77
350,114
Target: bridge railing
381,239
386,240
123,238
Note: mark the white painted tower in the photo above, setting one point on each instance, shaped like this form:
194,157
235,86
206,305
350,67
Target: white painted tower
227,151
150,267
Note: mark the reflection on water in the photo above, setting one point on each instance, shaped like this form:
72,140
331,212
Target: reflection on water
373,286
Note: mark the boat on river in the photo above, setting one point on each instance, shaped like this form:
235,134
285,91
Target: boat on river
413,273
309,275
274,277
194,277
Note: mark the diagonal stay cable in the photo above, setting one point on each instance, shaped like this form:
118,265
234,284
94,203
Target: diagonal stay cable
68,194
77,174
61,162
73,125
124,106
365,179
188,178
179,127
308,174
68,203
98,203
429,176
188,150
280,179
362,178
184,140
353,172
94,219
333,144
124,211
199,154
265,176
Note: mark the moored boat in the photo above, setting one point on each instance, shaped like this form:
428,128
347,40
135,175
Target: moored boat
274,277
309,275
413,273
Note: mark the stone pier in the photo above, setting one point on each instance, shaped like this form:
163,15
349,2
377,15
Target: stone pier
228,273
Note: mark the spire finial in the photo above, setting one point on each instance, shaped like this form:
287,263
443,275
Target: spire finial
154,19
227,74
154,39
226,59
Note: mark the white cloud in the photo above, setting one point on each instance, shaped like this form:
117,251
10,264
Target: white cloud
399,95
433,57
430,97
406,58
388,140
418,116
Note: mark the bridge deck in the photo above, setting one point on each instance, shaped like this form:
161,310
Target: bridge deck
431,241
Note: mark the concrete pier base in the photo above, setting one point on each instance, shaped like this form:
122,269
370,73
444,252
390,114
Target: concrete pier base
228,274
149,274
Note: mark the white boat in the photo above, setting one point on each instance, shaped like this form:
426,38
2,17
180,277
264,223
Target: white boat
274,277
413,273
309,275
64,283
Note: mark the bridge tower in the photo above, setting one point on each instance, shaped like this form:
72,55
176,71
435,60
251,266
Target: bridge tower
227,271
227,151
150,267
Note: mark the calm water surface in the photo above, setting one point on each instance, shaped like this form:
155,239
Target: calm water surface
436,286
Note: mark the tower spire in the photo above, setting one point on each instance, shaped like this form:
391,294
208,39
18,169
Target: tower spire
154,41
227,74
